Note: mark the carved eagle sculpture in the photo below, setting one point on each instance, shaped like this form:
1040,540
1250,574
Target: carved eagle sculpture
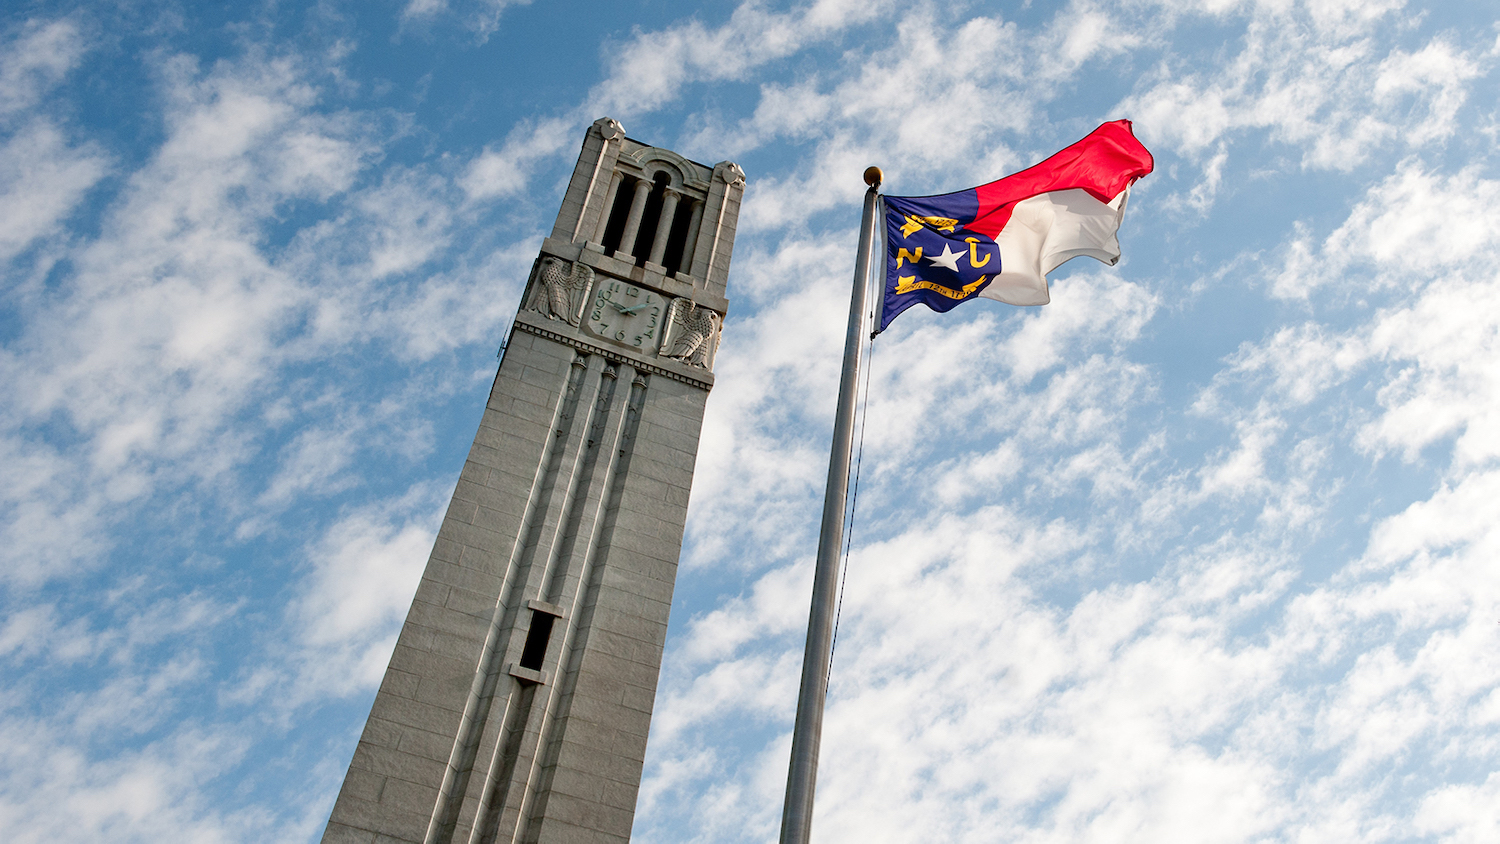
562,290
694,342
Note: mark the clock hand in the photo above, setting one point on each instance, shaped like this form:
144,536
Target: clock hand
617,306
633,309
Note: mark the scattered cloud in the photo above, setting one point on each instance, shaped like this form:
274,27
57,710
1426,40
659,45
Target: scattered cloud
1131,566
36,60
482,17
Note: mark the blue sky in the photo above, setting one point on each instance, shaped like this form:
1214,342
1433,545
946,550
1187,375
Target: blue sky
1205,550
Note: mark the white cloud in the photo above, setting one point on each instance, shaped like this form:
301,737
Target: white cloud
1419,222
40,56
152,794
175,320
423,8
1463,814
1446,382
1436,237
1439,71
1321,88
1304,359
364,570
42,179
502,172
410,220
649,70
480,16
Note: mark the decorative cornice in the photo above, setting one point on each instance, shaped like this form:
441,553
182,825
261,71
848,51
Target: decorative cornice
610,354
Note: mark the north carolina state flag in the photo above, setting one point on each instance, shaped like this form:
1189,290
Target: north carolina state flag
1000,240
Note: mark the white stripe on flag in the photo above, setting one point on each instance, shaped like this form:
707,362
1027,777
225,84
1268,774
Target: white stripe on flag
1046,230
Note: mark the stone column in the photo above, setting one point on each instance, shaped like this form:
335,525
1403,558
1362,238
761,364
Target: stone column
633,222
691,243
664,226
609,205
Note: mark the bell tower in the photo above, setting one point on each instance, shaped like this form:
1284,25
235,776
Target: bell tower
516,704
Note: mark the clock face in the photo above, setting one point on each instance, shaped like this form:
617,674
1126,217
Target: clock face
626,314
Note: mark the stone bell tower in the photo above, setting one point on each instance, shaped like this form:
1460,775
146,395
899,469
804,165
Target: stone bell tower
517,702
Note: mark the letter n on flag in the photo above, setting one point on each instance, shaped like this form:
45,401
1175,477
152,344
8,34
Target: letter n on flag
1000,240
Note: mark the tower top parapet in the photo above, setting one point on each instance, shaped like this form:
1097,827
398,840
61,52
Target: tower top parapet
649,215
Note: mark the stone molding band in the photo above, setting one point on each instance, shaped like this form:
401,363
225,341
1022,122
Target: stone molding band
609,354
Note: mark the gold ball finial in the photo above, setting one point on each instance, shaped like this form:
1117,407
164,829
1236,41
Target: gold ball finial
873,176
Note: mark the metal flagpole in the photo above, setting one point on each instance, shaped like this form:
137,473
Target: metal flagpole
796,816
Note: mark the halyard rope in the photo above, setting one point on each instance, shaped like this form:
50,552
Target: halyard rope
853,506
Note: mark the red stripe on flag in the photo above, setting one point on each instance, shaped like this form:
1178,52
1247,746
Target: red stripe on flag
1103,163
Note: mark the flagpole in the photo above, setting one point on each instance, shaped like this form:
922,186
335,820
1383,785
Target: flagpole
796,816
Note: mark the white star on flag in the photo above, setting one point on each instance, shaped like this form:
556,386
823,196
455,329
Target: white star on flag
948,259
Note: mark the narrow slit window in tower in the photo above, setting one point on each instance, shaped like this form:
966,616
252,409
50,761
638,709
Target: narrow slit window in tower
535,650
